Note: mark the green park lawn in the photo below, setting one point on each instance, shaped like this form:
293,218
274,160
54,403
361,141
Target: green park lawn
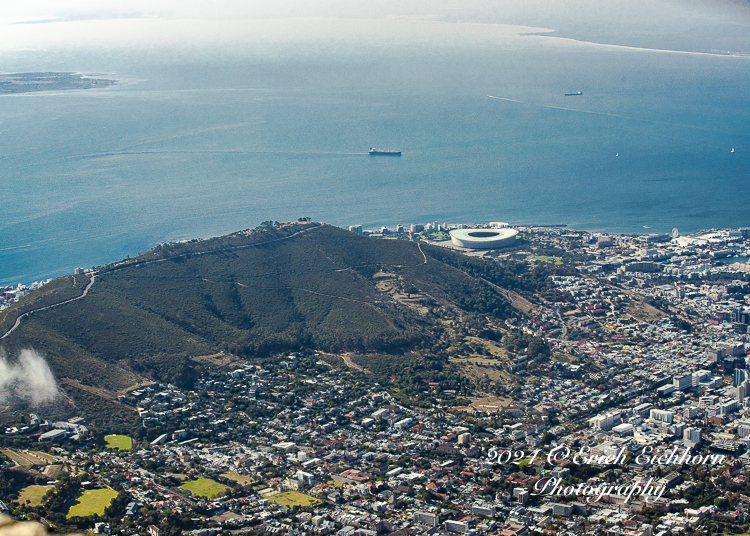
33,494
293,498
120,442
241,479
91,501
204,487
545,258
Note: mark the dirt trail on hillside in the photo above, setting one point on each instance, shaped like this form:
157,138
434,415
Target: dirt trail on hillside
351,364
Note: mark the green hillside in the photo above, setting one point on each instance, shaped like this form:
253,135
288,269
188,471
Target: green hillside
249,294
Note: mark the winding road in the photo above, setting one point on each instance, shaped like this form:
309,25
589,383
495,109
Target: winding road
27,313
93,274
422,252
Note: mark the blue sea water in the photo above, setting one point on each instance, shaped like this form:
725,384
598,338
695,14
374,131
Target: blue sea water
221,142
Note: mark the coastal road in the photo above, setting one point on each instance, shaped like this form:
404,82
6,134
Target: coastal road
27,313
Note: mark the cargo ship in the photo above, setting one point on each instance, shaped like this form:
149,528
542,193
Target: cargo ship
574,94
379,152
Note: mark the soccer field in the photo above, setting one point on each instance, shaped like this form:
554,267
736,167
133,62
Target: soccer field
204,487
91,501
120,442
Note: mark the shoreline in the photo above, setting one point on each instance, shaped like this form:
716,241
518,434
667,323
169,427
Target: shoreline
391,229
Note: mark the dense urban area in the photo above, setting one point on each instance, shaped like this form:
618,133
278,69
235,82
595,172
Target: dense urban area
616,404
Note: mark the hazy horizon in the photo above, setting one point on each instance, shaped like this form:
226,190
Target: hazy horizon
227,114
78,24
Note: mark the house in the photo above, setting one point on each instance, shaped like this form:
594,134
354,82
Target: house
131,511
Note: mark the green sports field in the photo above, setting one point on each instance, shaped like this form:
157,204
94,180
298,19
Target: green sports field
33,494
204,487
293,498
241,479
91,501
120,442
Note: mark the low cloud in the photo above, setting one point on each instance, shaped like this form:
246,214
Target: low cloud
10,527
28,377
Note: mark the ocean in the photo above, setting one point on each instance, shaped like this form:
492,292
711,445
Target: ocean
199,143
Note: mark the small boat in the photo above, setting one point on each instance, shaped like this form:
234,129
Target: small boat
732,150
574,94
380,152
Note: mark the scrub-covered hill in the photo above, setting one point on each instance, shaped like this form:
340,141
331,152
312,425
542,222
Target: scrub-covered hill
165,314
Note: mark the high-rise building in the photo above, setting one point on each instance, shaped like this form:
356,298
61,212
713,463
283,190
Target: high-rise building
521,495
456,526
693,435
728,407
699,376
683,382
740,375
742,391
662,415
426,518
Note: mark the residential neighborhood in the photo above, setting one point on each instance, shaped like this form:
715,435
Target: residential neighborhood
638,424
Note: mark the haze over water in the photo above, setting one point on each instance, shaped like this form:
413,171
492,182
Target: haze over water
202,139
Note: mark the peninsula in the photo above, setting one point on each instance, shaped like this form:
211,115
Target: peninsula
33,82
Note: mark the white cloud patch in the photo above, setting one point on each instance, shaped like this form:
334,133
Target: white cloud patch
28,377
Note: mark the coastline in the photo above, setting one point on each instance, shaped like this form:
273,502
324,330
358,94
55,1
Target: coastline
688,239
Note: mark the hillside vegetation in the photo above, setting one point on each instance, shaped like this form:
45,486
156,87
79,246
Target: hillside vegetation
251,294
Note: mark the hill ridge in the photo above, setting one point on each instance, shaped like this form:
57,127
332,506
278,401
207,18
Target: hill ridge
247,295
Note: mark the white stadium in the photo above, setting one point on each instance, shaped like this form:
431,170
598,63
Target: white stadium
483,238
